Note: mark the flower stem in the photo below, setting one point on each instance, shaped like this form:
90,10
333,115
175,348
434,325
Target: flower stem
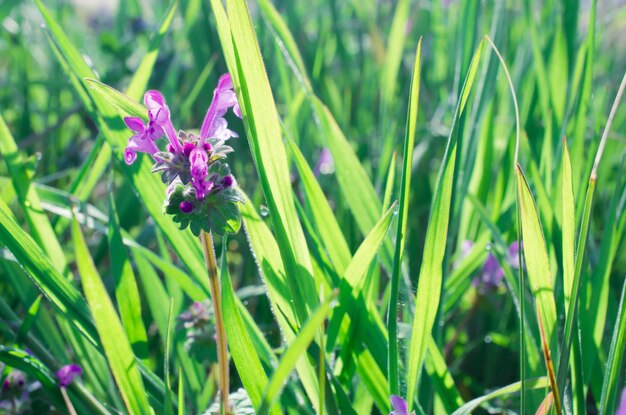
216,298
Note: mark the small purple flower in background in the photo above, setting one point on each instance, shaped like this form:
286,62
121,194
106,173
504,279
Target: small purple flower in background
622,406
201,192
67,374
325,163
400,407
15,393
197,322
15,381
492,273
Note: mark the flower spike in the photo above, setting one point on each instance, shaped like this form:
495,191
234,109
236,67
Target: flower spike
201,192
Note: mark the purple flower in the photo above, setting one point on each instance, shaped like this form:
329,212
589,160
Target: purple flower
400,407
14,381
223,98
67,373
159,115
143,139
492,273
200,185
325,163
622,406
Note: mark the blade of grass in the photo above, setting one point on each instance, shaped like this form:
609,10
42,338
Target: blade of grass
616,358
57,289
431,272
537,263
294,352
126,291
405,186
240,345
114,340
530,384
264,137
582,242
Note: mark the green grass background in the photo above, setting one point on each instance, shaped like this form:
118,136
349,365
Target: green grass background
435,127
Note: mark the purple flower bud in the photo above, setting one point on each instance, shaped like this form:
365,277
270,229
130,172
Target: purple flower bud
188,148
185,206
207,147
227,181
67,374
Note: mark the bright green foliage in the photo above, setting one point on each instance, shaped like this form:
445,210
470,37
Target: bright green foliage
348,272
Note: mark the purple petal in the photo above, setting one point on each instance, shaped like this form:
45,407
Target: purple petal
220,131
237,110
400,406
139,144
202,187
223,98
153,99
67,373
135,123
198,164
130,156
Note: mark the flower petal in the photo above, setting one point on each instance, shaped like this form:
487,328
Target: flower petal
135,123
153,99
223,98
130,156
400,406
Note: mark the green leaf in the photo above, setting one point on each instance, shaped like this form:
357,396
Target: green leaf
430,279
322,215
615,360
57,289
126,291
354,183
139,82
269,154
568,227
38,223
529,384
114,341
240,344
295,351
538,266
405,186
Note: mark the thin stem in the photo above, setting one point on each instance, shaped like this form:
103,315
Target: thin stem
216,297
68,402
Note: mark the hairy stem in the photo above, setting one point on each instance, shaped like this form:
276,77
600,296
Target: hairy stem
216,298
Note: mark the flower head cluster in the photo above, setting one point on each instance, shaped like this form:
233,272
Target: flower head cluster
201,192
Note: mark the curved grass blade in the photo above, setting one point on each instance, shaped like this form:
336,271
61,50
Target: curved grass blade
269,154
114,341
538,266
57,289
529,384
295,351
430,279
405,186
